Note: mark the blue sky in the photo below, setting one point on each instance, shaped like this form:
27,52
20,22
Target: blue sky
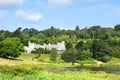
63,14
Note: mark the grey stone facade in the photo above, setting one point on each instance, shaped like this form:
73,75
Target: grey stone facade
60,46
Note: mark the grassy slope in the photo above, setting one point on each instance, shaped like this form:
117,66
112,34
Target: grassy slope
27,62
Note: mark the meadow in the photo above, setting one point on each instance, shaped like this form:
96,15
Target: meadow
26,67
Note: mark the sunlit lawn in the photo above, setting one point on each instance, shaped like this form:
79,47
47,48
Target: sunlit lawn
26,67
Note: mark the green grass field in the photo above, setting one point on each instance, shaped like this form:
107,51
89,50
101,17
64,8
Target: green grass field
26,67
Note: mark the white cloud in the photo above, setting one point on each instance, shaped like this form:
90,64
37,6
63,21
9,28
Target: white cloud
10,3
60,2
29,16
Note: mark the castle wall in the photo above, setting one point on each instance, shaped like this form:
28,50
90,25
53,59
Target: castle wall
60,46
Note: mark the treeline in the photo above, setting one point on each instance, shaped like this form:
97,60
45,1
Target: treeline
94,42
54,35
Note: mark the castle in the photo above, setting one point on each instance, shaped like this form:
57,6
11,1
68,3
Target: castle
60,46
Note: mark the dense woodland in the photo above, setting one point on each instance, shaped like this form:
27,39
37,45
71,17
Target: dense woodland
96,42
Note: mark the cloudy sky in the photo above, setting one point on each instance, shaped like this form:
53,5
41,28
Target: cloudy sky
63,14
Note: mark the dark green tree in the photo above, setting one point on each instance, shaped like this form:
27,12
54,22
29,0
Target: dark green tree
80,46
77,28
101,50
115,51
33,32
69,56
117,27
25,31
4,34
38,51
17,33
70,33
84,55
53,54
11,48
68,45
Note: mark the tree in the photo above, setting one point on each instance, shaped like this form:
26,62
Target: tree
11,48
77,28
4,34
101,50
84,55
53,54
117,27
70,33
25,31
68,45
80,46
17,33
32,32
115,51
69,56
38,51
94,31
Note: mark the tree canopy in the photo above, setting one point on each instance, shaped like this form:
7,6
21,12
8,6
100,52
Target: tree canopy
100,42
11,47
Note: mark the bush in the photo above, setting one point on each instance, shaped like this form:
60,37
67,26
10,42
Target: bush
106,59
40,59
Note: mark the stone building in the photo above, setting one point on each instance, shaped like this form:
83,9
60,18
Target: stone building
60,46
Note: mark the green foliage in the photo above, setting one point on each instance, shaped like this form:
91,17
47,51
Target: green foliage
101,50
117,27
115,60
41,59
38,51
17,33
11,47
81,39
115,51
77,28
80,46
33,39
69,56
53,54
89,62
32,32
4,34
25,39
84,55
68,45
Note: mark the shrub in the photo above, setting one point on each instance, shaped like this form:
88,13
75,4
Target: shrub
40,59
